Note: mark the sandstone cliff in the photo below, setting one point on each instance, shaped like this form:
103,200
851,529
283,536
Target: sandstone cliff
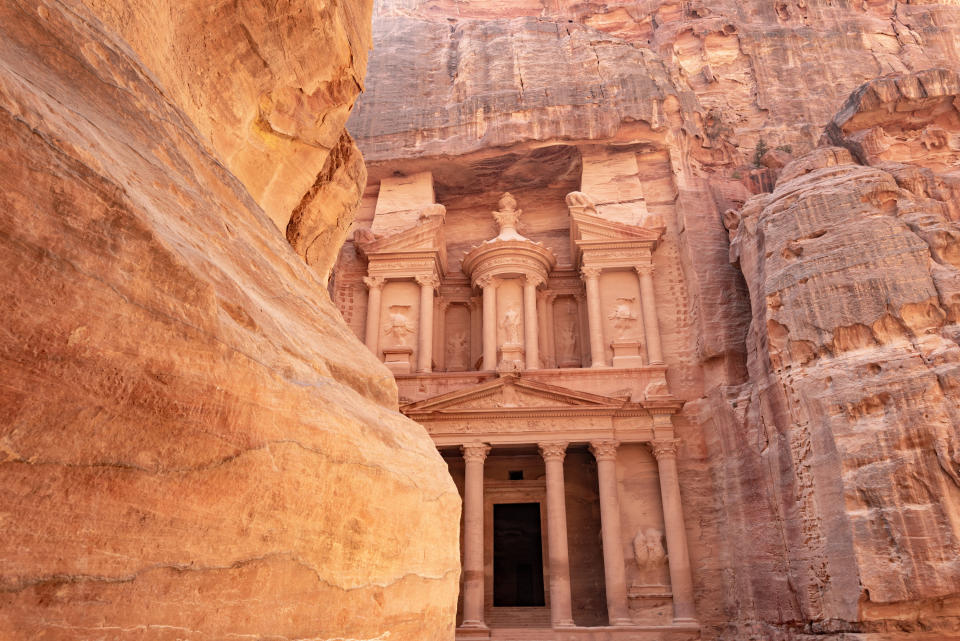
192,444
852,500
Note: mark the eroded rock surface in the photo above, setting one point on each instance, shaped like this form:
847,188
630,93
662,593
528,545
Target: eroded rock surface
192,444
270,86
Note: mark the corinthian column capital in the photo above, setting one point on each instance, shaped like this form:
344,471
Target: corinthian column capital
644,269
664,449
427,280
475,451
485,281
604,450
374,282
553,450
590,271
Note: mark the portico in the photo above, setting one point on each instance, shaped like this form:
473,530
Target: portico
514,441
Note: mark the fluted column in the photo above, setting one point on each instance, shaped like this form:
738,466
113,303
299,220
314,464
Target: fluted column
613,566
372,335
474,455
648,304
678,556
425,337
531,334
561,609
598,355
489,286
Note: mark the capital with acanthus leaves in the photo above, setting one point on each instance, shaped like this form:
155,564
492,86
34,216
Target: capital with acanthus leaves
475,451
604,450
553,450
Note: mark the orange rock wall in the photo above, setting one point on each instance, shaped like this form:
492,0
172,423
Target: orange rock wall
192,444
850,501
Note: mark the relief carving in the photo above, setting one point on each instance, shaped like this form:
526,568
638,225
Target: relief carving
458,352
510,324
398,325
648,549
623,317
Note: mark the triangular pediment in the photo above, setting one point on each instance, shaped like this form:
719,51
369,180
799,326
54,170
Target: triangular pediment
425,236
511,392
587,227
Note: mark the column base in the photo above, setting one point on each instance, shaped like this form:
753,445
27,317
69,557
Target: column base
619,622
686,621
564,624
472,630
473,625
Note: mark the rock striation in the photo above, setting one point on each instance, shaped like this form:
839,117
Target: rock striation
192,444
853,359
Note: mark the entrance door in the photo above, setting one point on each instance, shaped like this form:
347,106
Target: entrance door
517,556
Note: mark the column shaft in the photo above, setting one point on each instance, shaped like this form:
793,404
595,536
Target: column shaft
372,334
531,338
474,456
651,327
678,556
489,325
425,337
613,565
561,609
598,356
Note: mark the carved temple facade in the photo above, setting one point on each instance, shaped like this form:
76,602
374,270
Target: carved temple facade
538,369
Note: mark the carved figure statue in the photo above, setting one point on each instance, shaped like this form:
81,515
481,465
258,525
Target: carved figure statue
398,325
510,324
459,351
581,201
648,549
623,316
568,342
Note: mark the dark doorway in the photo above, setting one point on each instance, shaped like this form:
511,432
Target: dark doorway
517,555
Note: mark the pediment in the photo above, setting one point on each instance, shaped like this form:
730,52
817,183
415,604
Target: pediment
511,393
587,227
424,237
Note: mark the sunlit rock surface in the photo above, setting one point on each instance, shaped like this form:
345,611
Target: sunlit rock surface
192,444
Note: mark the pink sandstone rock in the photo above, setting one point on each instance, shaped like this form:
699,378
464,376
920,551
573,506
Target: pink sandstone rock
193,444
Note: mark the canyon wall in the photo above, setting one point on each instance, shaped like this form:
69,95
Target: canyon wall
192,443
816,357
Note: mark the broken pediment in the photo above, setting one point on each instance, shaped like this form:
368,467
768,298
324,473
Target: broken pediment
511,392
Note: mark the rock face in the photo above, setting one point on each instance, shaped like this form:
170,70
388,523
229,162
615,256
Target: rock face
248,77
816,368
853,360
193,444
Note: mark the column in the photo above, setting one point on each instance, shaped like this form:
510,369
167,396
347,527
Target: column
648,304
561,609
531,335
425,337
550,338
591,276
474,455
489,286
372,335
678,557
615,574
